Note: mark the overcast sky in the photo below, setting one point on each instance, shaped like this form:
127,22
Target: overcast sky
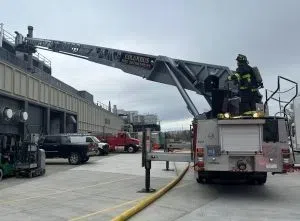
211,31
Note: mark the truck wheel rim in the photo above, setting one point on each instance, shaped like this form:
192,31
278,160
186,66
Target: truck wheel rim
74,158
130,149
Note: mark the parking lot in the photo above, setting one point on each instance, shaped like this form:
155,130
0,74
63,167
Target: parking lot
67,192
106,186
53,166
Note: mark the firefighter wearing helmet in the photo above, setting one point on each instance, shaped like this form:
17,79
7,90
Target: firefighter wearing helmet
248,84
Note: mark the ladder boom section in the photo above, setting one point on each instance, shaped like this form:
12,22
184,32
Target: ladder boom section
185,74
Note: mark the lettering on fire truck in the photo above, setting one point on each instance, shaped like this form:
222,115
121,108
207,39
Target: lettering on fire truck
137,60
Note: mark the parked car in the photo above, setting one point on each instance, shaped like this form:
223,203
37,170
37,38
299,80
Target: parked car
102,148
60,146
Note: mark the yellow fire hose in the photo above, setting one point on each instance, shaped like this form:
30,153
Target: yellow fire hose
149,199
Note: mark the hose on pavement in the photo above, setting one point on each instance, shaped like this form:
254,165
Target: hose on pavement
149,199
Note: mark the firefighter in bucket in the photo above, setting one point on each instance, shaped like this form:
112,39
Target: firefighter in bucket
249,81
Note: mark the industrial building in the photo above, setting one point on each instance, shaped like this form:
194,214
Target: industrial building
136,122
28,90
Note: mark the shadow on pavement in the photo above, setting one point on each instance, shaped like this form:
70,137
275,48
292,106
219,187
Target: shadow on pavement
241,189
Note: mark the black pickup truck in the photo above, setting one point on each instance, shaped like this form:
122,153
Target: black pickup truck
60,146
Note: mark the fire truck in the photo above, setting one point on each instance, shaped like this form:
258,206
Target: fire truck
224,143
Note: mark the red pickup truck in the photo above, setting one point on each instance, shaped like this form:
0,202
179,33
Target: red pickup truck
122,142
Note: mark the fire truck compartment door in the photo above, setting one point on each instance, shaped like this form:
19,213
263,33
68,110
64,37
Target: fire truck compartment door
241,137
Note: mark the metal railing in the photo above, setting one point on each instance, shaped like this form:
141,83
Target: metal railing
103,106
42,58
279,92
38,73
12,59
10,38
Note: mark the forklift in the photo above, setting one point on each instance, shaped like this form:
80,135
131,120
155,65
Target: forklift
7,146
21,157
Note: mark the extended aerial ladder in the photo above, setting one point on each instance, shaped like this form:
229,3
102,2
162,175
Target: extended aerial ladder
198,77
220,146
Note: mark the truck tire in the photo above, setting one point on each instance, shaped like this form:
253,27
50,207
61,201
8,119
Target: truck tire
74,158
1,174
100,152
131,149
204,178
261,180
258,178
85,159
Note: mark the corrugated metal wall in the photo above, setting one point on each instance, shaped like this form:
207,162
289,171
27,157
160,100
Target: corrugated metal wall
90,117
35,124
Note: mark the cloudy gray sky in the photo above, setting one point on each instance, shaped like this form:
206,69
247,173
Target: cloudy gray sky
210,31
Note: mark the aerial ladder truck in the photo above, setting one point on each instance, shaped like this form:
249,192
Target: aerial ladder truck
224,142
